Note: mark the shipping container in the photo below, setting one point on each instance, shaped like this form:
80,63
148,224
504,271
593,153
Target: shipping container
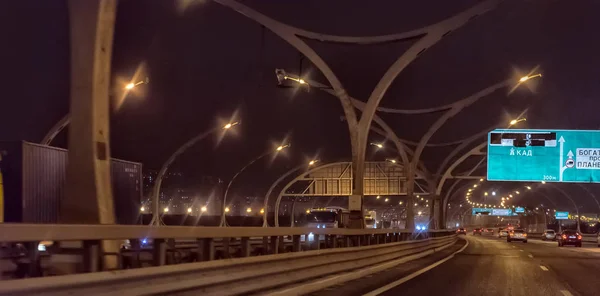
33,180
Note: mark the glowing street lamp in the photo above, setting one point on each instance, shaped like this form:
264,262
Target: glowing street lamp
525,78
515,121
262,211
189,210
230,125
528,187
249,210
227,210
142,209
391,160
313,162
308,211
543,182
132,85
387,199
204,209
166,210
378,196
281,147
378,145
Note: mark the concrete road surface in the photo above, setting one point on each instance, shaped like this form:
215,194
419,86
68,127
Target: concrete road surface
490,266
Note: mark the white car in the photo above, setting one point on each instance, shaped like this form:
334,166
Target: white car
502,233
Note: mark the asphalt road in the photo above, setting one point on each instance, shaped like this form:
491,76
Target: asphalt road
492,266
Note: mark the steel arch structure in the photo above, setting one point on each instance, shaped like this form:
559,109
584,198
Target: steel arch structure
359,127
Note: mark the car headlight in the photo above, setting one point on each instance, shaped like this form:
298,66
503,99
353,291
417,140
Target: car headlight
41,248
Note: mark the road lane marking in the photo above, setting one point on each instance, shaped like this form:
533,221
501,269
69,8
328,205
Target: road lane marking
566,293
414,274
521,250
544,268
530,256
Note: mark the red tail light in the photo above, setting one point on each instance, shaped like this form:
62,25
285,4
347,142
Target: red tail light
579,237
564,236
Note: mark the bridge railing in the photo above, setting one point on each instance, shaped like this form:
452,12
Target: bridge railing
33,250
347,253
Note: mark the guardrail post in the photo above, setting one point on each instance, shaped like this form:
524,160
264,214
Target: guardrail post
265,245
91,256
296,243
346,241
208,249
245,245
334,241
160,252
226,253
34,268
317,242
282,244
274,245
377,236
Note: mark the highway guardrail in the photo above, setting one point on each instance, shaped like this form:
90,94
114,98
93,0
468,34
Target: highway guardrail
81,244
240,275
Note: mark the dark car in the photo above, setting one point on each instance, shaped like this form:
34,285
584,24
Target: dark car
517,235
477,231
461,231
569,237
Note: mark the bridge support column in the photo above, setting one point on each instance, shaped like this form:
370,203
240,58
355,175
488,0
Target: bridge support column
88,197
436,214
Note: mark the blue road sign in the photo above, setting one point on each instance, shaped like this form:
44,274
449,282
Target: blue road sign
544,155
561,215
502,212
476,211
519,210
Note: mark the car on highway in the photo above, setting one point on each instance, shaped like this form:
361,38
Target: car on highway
488,231
569,237
461,231
477,231
517,235
502,233
549,234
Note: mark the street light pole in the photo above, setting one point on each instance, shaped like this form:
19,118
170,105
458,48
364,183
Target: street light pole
288,173
163,170
223,222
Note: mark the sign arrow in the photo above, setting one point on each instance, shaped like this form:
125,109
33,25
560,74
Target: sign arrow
570,154
560,166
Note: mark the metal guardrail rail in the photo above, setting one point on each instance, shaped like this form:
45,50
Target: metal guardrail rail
193,244
239,275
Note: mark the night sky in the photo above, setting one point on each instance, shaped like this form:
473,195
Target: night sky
208,62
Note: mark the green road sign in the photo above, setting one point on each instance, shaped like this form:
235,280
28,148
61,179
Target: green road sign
544,155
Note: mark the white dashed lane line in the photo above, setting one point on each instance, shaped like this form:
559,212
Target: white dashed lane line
544,268
566,293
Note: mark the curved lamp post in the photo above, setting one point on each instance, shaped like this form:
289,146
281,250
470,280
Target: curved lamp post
66,120
287,174
223,222
163,170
